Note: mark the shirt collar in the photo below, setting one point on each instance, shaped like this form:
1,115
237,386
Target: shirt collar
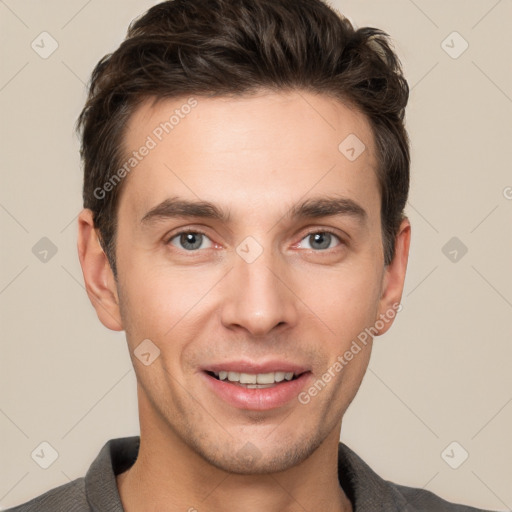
116,456
367,491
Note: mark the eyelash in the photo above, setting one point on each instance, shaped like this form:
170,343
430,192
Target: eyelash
312,232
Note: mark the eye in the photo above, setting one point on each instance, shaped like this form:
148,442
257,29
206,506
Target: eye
320,240
190,240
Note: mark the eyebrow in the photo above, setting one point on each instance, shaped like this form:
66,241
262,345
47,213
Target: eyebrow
311,208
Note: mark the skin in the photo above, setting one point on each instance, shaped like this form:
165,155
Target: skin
255,156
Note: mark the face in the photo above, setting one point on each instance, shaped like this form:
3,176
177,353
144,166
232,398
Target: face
249,248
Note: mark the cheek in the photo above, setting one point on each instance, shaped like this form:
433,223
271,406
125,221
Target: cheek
345,300
160,303
145,300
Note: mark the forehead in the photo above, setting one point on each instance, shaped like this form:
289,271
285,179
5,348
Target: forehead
251,151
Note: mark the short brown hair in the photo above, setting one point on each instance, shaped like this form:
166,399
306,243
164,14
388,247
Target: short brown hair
235,47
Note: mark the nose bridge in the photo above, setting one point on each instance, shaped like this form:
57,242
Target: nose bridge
256,298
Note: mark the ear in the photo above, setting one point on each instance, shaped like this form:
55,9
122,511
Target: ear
98,276
393,279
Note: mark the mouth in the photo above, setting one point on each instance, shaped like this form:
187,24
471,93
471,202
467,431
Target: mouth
252,386
254,380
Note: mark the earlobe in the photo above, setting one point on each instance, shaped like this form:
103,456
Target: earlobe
98,277
394,277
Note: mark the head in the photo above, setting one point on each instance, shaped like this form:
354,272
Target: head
284,125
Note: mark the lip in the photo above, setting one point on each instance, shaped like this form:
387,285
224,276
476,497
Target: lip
242,366
255,399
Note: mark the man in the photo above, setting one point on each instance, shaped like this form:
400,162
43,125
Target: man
246,171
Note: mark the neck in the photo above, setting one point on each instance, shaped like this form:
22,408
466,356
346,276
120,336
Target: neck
169,475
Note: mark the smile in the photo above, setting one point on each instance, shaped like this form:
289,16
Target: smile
254,380
256,391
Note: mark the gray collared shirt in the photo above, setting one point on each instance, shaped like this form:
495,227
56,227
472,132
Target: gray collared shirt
97,491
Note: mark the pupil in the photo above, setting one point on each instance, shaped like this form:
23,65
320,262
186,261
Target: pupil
187,239
319,237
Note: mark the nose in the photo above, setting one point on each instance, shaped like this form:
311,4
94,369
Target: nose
258,296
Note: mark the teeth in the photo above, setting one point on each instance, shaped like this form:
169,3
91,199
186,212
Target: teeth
279,376
234,376
265,378
253,378
247,378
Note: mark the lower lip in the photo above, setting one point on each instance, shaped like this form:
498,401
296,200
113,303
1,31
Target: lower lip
257,399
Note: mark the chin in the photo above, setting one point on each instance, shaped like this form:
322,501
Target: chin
255,458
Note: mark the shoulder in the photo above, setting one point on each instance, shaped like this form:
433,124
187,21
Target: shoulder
368,491
97,490
426,501
68,497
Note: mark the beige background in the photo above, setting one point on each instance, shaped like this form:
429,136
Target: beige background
441,374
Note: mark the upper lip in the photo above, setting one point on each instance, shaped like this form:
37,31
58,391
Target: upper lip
256,367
